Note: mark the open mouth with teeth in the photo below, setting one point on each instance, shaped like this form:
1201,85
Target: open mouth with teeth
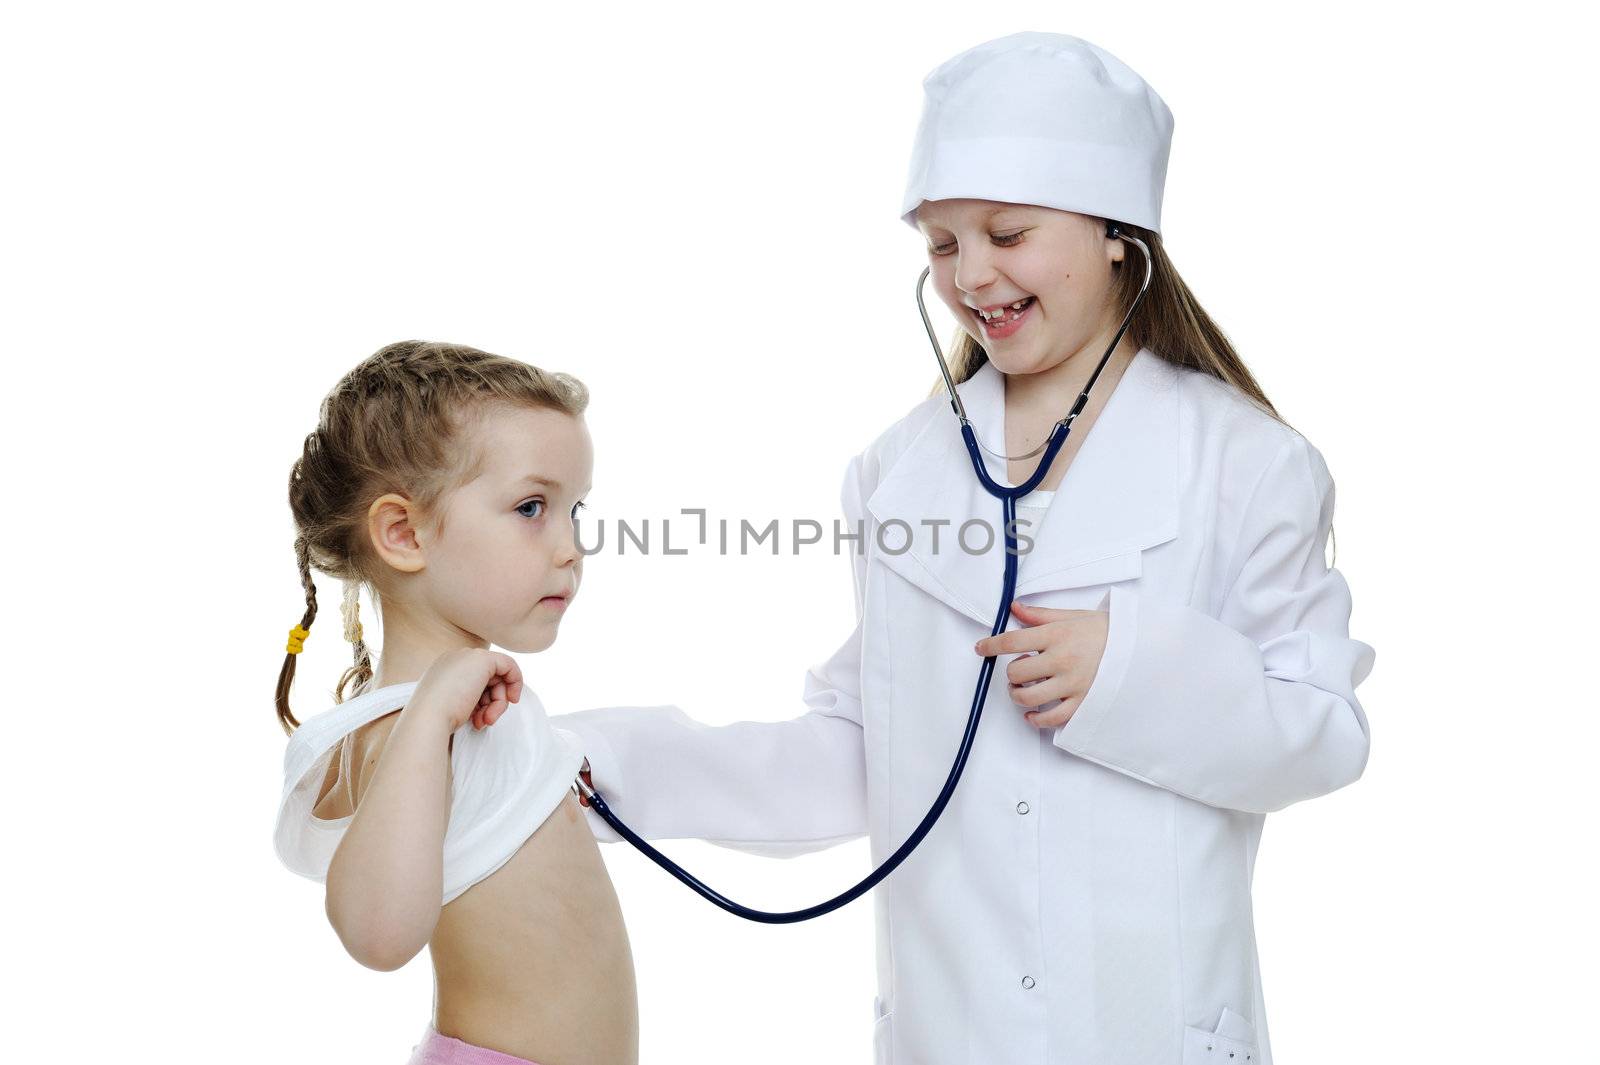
1002,315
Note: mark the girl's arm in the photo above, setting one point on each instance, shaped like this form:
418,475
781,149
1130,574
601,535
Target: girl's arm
1253,709
778,788
386,878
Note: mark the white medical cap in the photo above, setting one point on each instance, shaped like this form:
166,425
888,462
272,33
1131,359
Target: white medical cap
1043,119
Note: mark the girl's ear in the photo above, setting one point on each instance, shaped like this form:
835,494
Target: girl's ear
1116,250
394,539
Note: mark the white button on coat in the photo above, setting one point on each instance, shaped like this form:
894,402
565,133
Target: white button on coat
1226,690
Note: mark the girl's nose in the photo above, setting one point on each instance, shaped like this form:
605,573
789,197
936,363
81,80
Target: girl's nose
974,271
567,551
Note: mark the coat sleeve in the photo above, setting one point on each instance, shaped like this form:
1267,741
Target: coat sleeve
1256,708
778,788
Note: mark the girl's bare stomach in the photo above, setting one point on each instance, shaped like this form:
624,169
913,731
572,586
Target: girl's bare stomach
534,959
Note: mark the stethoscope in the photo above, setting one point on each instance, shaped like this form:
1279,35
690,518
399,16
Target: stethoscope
1008,497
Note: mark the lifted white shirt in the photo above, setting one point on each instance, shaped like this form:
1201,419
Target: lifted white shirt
505,780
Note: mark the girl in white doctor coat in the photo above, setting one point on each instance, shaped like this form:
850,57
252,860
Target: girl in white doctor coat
1180,665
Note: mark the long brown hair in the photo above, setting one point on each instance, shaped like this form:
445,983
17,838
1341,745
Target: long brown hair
394,424
1169,321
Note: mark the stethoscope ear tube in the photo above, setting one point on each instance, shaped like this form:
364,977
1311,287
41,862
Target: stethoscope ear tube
1008,496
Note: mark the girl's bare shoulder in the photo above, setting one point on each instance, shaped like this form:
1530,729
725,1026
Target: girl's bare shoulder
350,769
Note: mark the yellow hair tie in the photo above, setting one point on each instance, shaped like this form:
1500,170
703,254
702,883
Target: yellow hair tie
297,639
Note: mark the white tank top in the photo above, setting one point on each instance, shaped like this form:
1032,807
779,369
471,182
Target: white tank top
505,780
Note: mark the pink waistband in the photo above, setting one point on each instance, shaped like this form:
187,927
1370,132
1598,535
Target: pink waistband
439,1049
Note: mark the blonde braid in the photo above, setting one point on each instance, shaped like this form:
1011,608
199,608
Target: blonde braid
350,608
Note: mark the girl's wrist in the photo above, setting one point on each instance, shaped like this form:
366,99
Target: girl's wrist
426,719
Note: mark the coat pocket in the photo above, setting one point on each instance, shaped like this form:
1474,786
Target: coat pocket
880,1033
1232,1042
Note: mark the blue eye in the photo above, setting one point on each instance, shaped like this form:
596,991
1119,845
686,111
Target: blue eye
531,503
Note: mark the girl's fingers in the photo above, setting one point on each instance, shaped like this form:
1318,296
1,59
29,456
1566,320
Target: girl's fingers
1037,694
1038,615
1054,717
492,702
508,679
1014,642
1028,667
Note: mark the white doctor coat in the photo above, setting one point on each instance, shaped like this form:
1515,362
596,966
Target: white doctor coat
1086,895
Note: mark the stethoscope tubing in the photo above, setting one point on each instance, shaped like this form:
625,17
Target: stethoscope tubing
975,715
1008,496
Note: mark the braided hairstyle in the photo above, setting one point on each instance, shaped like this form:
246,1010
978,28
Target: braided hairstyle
394,424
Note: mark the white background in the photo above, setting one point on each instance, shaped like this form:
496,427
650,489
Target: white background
213,211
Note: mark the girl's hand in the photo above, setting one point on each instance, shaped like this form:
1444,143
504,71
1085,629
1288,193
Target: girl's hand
1068,645
471,684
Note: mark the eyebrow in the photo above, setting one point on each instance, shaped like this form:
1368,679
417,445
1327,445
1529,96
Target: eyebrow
535,478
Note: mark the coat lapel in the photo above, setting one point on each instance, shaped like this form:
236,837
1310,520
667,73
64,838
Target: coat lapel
1119,496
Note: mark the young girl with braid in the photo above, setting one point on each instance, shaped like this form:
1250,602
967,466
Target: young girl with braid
435,801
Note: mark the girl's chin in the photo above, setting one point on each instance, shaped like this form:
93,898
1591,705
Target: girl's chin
530,647
1013,363
531,639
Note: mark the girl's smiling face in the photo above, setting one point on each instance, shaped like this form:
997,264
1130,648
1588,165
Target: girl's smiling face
991,256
